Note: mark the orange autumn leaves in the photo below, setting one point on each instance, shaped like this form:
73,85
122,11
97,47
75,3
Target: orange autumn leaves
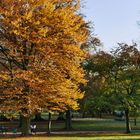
42,56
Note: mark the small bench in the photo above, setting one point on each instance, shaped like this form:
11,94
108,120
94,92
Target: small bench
7,129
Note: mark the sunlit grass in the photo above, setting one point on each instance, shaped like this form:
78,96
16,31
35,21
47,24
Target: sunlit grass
110,130
78,138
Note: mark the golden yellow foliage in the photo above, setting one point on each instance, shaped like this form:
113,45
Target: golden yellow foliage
43,55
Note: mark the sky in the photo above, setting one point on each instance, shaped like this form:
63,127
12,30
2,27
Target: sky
114,21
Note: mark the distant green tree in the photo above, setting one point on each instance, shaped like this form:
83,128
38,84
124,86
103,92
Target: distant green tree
114,81
96,98
125,79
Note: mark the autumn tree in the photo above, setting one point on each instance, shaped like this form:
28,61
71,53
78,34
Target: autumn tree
40,45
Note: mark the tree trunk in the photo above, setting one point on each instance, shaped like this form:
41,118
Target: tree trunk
100,114
49,123
128,128
38,117
25,125
68,125
135,121
61,116
83,114
20,121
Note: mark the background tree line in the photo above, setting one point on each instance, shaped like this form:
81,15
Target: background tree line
114,82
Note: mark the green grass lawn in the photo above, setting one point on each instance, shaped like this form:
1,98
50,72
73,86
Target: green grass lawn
78,137
93,124
103,125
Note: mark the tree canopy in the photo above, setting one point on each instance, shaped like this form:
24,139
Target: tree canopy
40,54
